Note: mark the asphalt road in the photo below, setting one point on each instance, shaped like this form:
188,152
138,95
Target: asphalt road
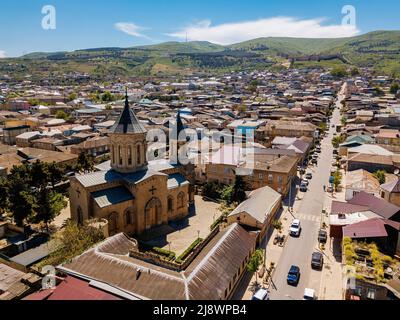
298,251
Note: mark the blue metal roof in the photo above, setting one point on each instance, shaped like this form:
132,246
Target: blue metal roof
109,197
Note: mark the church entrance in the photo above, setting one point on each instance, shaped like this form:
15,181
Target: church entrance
153,213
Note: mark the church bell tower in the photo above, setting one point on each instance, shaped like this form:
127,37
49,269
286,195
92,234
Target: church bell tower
128,142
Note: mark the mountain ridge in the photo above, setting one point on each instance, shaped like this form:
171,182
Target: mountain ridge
377,49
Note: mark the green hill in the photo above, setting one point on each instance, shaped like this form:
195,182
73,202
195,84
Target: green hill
380,50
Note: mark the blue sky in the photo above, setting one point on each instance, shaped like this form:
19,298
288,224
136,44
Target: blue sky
104,23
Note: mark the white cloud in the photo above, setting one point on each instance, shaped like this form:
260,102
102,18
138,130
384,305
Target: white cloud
2,54
131,29
230,33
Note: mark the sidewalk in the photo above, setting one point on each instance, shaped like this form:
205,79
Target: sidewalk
274,252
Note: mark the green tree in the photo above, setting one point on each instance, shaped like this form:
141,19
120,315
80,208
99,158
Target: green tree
255,262
20,202
355,72
47,206
212,189
394,88
55,173
33,102
337,179
60,114
336,141
4,204
322,127
343,121
38,175
72,96
107,97
239,190
380,175
72,241
85,163
227,194
339,72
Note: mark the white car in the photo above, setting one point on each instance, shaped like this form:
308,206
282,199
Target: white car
305,182
309,294
261,294
295,228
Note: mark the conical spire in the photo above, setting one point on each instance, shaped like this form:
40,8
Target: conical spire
127,121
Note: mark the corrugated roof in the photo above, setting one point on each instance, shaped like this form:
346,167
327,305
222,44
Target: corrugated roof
260,204
109,197
373,228
377,205
33,255
206,278
97,178
392,187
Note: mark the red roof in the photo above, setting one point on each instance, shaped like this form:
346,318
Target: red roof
345,207
377,205
373,228
72,289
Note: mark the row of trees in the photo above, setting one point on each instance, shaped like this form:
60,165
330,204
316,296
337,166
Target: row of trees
29,193
229,194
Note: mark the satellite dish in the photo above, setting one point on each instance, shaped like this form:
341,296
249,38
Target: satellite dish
396,172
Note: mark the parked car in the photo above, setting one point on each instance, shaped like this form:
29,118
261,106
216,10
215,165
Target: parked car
314,161
308,176
261,294
318,149
293,276
317,261
322,236
309,294
303,188
305,182
295,228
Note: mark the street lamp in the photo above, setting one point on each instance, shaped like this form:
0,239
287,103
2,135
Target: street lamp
198,234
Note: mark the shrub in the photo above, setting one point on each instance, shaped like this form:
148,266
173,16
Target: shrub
168,254
188,251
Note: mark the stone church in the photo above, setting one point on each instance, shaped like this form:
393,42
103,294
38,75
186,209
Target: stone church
134,195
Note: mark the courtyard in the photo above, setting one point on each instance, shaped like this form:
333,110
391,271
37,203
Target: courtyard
178,236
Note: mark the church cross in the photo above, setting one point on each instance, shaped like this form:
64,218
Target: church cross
152,190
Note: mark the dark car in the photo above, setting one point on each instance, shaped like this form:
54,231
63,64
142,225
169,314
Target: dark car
322,236
293,277
317,261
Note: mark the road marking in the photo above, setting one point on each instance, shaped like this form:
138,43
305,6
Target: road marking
308,217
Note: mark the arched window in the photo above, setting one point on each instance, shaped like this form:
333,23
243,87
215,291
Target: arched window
113,154
112,223
80,216
181,200
129,156
128,218
138,154
170,204
120,155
